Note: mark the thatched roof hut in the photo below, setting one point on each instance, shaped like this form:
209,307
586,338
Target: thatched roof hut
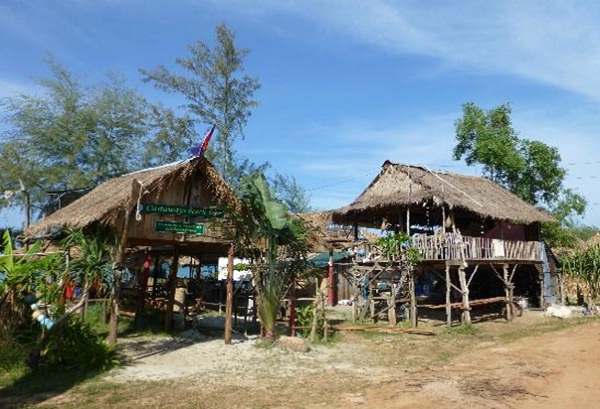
335,236
401,186
193,182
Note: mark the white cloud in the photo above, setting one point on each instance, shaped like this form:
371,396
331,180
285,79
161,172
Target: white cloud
9,88
556,43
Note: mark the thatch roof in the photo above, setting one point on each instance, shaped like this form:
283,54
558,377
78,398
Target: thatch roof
105,203
337,237
401,186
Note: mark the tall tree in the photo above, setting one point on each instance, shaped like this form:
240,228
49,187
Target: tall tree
528,168
291,193
171,137
70,136
217,92
488,139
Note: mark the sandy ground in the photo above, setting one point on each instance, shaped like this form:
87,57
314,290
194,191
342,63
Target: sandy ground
559,369
553,370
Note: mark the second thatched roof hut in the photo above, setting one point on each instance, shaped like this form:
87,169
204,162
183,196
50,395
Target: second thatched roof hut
424,192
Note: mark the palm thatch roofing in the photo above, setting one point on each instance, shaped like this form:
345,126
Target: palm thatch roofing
401,186
106,203
335,236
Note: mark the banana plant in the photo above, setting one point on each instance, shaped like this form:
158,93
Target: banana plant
22,274
268,219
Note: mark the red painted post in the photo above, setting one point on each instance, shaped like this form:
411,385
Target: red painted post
331,292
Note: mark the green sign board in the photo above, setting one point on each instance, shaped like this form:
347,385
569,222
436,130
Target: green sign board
203,212
178,227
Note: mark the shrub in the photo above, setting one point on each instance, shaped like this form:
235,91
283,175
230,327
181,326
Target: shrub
78,346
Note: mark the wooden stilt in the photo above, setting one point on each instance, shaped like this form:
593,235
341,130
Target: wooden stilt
448,302
413,299
293,308
172,286
507,292
391,302
466,314
113,325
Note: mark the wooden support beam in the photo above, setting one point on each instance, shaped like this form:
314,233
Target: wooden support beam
172,286
413,299
466,314
229,300
472,275
443,278
508,290
460,305
113,325
448,291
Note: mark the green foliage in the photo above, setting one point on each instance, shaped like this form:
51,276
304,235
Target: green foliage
530,169
264,218
25,272
80,347
94,257
487,138
217,91
585,232
399,245
304,319
565,232
72,136
584,265
291,193
12,353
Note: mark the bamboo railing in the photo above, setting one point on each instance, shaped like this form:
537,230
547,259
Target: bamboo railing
452,246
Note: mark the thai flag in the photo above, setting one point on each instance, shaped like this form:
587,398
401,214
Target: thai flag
199,150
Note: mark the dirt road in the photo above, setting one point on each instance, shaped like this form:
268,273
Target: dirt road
558,369
553,370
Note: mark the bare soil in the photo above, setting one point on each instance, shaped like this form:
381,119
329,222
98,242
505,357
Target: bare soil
534,362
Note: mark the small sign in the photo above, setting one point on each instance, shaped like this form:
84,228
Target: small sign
204,212
178,227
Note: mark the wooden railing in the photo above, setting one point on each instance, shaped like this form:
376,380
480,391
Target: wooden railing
452,246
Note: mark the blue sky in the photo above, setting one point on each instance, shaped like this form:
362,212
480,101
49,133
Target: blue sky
346,84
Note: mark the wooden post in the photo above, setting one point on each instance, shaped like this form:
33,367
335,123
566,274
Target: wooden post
542,277
507,292
391,302
561,287
331,290
172,286
408,221
293,308
413,298
229,301
355,296
466,314
448,301
113,324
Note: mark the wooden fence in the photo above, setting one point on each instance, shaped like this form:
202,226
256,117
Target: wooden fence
452,246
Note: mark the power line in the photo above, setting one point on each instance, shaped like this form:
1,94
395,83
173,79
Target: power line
350,179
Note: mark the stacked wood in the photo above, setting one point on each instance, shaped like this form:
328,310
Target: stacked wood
378,328
460,304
